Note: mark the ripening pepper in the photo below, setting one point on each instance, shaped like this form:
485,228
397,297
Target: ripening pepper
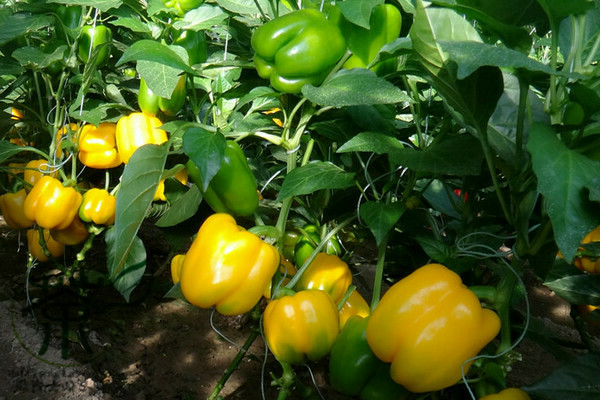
181,176
233,189
151,103
51,205
36,250
354,369
95,39
182,6
355,305
297,48
308,242
589,264
98,147
427,325
73,234
195,45
508,394
301,326
327,273
12,206
35,170
227,267
385,24
98,206
136,130
286,271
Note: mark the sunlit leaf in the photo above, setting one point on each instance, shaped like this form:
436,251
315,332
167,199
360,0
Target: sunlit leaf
315,176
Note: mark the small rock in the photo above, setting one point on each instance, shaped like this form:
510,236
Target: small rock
90,384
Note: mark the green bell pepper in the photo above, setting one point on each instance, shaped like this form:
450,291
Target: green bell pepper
95,39
354,369
233,189
195,45
297,48
151,103
385,24
182,6
309,240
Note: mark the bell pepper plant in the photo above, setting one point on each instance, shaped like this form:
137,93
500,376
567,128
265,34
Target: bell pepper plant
297,48
52,205
428,326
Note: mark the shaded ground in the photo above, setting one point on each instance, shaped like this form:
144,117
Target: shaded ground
100,347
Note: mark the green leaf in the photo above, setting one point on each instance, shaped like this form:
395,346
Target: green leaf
203,17
7,150
355,87
20,23
138,185
380,217
160,78
375,142
94,111
9,66
436,249
102,5
175,293
31,57
577,289
183,208
358,11
559,9
206,150
454,155
314,176
149,50
564,177
133,268
577,379
244,7
469,56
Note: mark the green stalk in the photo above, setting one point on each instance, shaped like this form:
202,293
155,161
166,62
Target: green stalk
502,305
379,272
523,93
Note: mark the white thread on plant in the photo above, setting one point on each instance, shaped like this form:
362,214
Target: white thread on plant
275,175
314,382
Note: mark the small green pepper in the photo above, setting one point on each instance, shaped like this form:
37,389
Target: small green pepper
195,45
95,39
307,243
151,103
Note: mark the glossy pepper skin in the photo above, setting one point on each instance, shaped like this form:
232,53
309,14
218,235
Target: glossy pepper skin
73,234
327,273
176,264
12,206
385,25
427,325
233,189
36,250
90,40
301,326
70,18
355,305
35,170
182,6
508,394
98,206
308,242
151,103
98,146
51,205
194,43
135,130
354,369
66,132
227,267
297,48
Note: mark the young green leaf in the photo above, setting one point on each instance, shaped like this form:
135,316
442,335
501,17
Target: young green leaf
380,217
314,176
182,208
375,142
206,150
133,267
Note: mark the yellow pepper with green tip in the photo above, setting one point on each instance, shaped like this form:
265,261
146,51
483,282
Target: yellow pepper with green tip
227,267
428,325
328,273
508,394
97,146
52,205
12,206
301,326
98,206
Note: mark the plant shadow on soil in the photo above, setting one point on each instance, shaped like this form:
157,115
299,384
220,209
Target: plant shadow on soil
98,346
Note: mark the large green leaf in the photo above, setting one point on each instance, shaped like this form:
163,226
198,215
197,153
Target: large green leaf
380,217
102,5
149,50
577,289
183,208
21,23
138,185
7,150
559,9
375,142
314,176
206,150
577,379
203,17
160,78
134,265
355,87
564,179
31,57
358,11
455,155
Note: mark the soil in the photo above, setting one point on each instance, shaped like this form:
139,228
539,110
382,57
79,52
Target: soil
57,344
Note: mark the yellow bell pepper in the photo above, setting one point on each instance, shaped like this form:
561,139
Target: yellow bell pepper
286,271
34,170
97,146
428,325
136,130
12,206
36,250
328,273
52,205
73,234
587,264
63,134
301,326
355,305
176,264
98,206
508,394
227,267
